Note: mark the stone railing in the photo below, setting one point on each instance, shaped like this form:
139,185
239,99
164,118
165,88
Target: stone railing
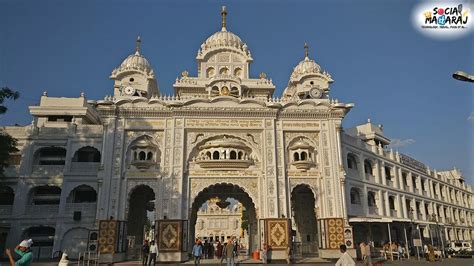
87,208
42,210
47,170
6,210
81,167
373,211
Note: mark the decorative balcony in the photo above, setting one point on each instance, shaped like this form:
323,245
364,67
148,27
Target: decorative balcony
224,153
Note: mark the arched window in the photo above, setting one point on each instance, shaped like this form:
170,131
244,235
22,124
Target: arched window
135,155
83,193
233,155
238,72
368,167
149,156
50,156
215,155
7,195
240,155
224,71
355,196
351,161
371,199
45,195
142,156
296,156
208,155
210,72
87,154
303,156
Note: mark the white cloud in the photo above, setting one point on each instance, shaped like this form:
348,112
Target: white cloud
397,143
470,118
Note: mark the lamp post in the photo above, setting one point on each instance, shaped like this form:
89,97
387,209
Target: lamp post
413,227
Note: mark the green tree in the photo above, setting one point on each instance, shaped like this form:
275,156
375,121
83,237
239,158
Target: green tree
245,220
7,142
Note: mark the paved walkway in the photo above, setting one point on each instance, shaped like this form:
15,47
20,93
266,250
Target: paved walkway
311,261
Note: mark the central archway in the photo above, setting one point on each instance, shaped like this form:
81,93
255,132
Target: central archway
141,202
304,221
224,191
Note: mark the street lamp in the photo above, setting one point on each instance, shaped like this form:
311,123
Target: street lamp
413,228
463,76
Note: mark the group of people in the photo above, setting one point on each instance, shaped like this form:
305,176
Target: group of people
389,249
23,250
149,253
227,252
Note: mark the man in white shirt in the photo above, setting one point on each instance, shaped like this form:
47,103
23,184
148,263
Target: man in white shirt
153,252
345,259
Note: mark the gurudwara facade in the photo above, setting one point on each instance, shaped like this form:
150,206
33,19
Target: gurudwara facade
89,170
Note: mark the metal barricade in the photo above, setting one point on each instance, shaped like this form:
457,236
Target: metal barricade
88,258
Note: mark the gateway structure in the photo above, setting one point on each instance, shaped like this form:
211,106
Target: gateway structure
304,180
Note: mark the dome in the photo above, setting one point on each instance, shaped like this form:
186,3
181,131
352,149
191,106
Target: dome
135,61
223,39
307,66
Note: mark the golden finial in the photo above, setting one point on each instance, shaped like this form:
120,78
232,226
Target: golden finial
224,15
138,45
263,75
306,47
184,74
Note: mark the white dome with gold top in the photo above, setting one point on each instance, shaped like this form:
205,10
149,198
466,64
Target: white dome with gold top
223,39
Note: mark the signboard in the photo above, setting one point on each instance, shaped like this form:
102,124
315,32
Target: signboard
417,242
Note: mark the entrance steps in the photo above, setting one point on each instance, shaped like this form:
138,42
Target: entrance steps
307,260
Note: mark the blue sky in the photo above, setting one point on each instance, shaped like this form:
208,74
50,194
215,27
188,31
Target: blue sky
392,73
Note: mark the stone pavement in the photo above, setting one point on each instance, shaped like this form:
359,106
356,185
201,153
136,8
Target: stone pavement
315,261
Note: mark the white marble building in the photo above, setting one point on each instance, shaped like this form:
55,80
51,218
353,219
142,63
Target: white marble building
222,133
217,222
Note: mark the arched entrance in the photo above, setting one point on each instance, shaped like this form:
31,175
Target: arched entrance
222,193
141,209
304,224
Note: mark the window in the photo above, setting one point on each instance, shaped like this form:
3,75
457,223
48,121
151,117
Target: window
215,155
303,156
351,161
87,154
233,155
296,156
355,196
368,167
388,173
391,202
51,156
371,199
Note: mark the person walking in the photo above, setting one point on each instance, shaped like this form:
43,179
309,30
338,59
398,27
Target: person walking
229,253
145,252
24,251
265,253
345,259
153,252
363,255
197,252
